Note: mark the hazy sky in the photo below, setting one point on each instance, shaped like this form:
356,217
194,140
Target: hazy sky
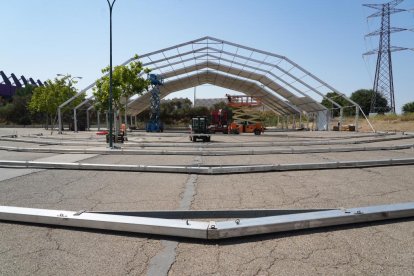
40,38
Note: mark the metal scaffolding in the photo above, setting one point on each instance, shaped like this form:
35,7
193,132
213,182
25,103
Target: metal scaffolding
284,87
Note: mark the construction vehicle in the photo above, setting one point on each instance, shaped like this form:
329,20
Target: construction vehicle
220,121
246,118
199,129
246,127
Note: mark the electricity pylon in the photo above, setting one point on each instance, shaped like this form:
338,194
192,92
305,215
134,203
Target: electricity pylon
383,82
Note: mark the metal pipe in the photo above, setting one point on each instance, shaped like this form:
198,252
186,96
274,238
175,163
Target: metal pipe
125,115
107,120
318,219
87,119
247,223
356,118
75,121
87,116
111,143
226,145
203,152
60,120
210,170
98,115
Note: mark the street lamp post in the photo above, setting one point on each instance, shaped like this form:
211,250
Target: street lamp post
111,142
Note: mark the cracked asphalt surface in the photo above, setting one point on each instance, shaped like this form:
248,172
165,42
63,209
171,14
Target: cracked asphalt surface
385,248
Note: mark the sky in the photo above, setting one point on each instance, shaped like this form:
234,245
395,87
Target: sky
42,38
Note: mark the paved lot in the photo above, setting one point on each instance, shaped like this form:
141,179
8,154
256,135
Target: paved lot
369,249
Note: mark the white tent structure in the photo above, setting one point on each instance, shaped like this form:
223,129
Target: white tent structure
282,85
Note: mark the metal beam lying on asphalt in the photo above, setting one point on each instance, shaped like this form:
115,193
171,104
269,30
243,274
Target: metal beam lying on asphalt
88,142
204,152
243,223
208,169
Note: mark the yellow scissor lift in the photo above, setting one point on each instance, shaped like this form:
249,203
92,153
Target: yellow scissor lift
246,117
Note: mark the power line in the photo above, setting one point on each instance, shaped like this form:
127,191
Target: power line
383,82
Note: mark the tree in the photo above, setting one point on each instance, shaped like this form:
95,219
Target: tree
47,98
5,111
336,98
175,110
199,111
363,97
16,110
21,99
126,82
408,108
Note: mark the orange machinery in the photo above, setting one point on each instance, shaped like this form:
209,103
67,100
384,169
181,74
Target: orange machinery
246,118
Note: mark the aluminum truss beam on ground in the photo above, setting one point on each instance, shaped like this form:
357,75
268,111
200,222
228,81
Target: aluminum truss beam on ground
182,224
209,170
86,142
207,152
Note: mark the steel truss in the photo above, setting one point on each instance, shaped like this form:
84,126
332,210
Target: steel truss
383,82
205,152
285,87
183,223
209,169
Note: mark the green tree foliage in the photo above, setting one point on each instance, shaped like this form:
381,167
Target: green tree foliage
16,111
2,101
21,99
408,108
47,98
199,111
175,110
336,98
126,82
363,97
5,110
178,111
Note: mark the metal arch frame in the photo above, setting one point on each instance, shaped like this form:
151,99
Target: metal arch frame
195,80
291,62
249,59
184,223
358,108
210,41
75,121
282,88
253,76
287,73
260,62
293,105
98,113
253,83
274,105
59,110
257,69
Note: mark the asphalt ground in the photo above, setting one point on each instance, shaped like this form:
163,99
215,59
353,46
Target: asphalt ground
385,248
